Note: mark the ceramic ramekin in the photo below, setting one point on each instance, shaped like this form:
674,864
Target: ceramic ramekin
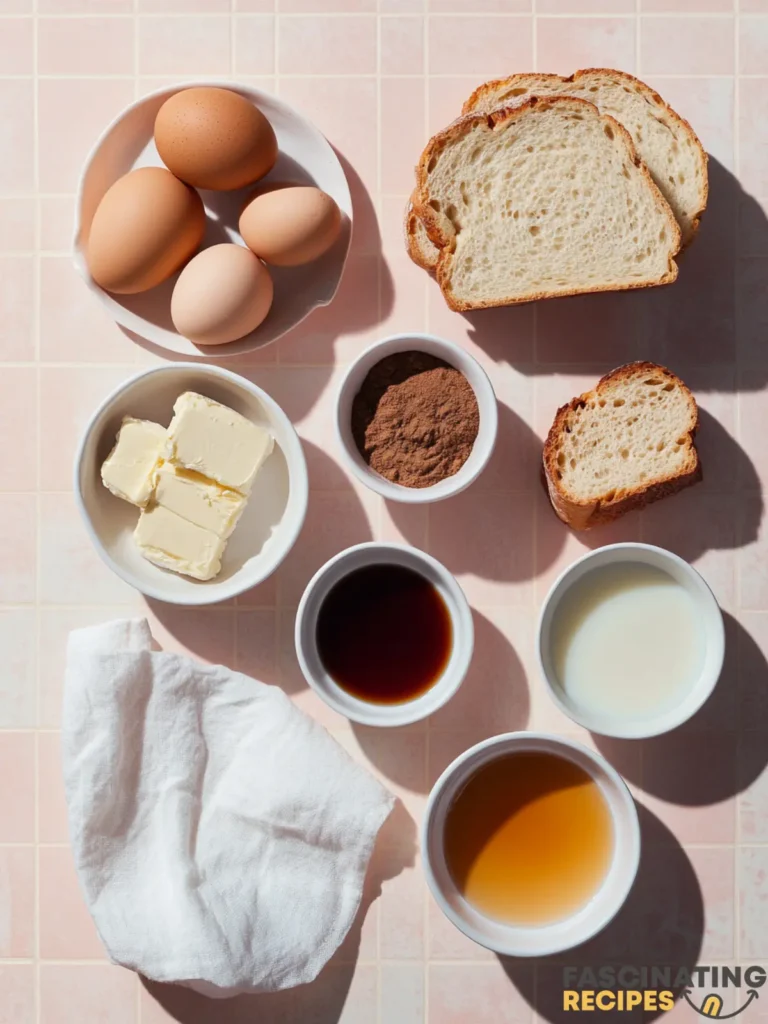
305,158
486,401
267,529
713,631
511,940
346,704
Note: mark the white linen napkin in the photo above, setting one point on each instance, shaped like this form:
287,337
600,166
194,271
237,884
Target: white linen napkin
221,836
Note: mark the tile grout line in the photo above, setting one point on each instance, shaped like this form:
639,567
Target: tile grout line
363,15
37,316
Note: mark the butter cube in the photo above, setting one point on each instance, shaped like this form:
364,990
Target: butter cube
198,500
216,442
127,471
174,543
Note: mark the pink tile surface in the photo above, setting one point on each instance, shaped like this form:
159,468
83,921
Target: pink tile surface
17,104
477,992
17,993
687,46
74,994
184,46
18,419
18,661
51,802
66,929
17,778
565,44
377,77
254,44
17,46
64,140
17,223
17,284
312,44
474,45
402,46
17,902
85,46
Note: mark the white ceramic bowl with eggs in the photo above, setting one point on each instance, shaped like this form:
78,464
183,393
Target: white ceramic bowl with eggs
305,157
711,635
273,517
462,634
527,940
487,408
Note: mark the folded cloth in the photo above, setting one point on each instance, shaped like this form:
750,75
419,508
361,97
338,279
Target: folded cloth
221,836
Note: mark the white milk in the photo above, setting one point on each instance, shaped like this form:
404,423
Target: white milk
626,641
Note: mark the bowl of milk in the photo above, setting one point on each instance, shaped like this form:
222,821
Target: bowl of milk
631,641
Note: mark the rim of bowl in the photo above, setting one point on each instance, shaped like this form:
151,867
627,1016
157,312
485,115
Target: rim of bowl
76,249
652,725
441,691
628,866
487,408
295,459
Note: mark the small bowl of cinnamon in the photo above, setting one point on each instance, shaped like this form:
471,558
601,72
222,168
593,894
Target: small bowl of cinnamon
416,418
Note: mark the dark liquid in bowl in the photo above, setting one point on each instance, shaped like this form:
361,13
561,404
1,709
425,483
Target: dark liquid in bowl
384,634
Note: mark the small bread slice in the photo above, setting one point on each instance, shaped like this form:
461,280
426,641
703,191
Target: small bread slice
668,145
543,199
423,253
625,444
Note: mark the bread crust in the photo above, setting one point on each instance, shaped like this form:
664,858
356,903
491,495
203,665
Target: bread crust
445,240
583,515
411,225
497,84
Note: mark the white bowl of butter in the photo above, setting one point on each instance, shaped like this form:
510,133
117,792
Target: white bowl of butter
223,512
631,641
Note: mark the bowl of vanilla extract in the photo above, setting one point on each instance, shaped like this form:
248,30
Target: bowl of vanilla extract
384,634
531,843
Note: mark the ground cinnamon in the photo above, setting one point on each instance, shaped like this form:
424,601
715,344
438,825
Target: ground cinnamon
415,419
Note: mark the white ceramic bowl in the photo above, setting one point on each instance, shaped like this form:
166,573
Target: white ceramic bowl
486,401
713,631
357,710
272,519
510,940
305,157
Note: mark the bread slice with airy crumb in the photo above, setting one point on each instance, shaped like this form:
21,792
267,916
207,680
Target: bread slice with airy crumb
421,250
664,141
543,199
625,444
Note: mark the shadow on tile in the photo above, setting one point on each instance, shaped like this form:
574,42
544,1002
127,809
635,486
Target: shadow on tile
709,516
691,325
487,530
322,1001
703,762
661,924
493,699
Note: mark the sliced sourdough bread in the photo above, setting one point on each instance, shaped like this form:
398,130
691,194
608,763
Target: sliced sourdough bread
421,250
625,444
542,199
668,145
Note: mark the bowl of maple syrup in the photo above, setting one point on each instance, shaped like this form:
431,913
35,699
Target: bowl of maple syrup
531,843
384,634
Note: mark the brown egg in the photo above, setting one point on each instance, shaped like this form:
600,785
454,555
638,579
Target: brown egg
222,294
147,225
290,225
214,138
